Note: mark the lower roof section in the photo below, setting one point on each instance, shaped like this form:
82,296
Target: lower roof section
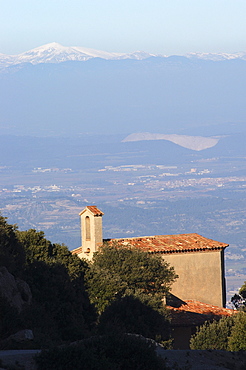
195,313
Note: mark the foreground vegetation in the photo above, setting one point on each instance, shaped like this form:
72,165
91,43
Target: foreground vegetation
229,333
91,305
60,309
111,352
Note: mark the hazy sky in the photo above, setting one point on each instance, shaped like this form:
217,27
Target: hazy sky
158,26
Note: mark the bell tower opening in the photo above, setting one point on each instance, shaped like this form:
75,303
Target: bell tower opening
88,228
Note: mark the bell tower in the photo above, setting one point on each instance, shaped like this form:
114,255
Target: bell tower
91,231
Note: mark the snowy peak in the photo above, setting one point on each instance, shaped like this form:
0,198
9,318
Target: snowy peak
217,56
57,53
51,53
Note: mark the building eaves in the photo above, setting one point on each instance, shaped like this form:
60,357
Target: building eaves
76,250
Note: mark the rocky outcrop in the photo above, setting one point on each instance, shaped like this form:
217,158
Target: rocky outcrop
16,291
21,336
17,340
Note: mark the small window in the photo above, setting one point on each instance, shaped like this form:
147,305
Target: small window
87,228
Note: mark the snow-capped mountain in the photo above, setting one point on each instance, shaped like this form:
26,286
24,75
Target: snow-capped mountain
56,53
217,56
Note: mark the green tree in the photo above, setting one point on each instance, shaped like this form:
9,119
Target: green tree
213,335
237,339
239,300
119,271
12,254
61,306
242,290
130,315
38,248
10,319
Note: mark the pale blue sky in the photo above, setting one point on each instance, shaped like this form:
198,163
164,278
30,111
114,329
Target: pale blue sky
158,26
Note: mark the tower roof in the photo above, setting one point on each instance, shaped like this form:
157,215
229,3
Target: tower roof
93,209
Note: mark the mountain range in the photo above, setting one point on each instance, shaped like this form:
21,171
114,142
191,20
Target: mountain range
69,92
56,53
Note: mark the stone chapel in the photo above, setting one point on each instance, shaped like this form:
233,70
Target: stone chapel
198,261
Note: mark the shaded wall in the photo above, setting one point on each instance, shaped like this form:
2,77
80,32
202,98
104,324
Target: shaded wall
201,276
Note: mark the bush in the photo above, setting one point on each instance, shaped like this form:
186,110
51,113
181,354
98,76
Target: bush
105,352
60,309
213,335
237,339
130,315
12,254
10,319
60,306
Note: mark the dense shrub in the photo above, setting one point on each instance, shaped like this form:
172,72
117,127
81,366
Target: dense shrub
213,335
12,254
56,278
104,352
130,315
237,339
60,309
10,319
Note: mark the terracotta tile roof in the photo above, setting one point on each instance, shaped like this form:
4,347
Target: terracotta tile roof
96,211
194,313
172,243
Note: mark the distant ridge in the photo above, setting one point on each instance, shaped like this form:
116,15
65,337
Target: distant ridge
217,56
57,53
190,142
